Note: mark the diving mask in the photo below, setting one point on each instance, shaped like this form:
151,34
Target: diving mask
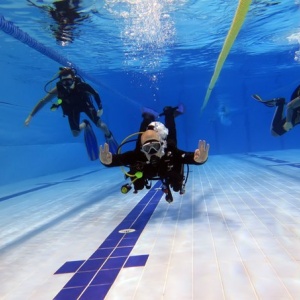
151,147
67,82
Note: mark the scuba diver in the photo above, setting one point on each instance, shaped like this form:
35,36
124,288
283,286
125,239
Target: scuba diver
156,156
74,97
65,14
282,124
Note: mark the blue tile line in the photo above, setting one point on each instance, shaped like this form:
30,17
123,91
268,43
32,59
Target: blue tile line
95,276
276,160
43,186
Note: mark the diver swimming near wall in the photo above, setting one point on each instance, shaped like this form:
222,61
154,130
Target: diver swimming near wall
74,97
282,124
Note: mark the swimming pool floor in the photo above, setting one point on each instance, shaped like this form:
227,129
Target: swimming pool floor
234,234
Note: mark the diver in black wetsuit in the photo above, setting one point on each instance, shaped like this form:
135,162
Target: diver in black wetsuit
282,124
74,98
156,155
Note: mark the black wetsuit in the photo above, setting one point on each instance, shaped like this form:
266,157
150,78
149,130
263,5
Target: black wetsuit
77,100
168,168
279,120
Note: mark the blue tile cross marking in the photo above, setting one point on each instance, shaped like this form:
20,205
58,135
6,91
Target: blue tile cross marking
94,277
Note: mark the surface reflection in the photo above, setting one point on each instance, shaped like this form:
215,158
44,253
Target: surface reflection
67,15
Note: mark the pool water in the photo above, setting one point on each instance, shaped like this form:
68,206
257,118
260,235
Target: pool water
234,232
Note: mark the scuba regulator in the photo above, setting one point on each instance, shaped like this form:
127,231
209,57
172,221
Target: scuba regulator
128,186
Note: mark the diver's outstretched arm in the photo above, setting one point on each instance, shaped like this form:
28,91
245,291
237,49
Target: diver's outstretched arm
43,7
52,94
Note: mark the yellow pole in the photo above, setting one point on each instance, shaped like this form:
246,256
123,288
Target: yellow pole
236,25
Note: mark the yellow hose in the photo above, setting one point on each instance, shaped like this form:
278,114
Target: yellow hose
236,25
